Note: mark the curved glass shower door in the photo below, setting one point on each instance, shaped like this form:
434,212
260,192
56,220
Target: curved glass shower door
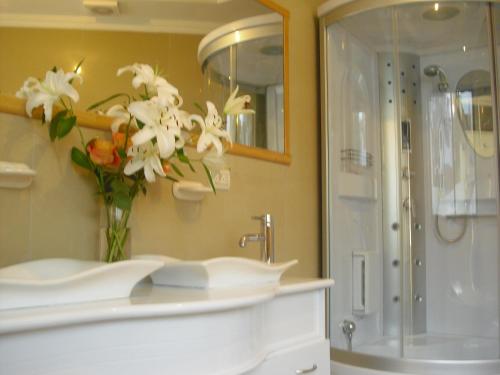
356,249
412,181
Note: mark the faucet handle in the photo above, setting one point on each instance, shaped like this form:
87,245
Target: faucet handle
266,218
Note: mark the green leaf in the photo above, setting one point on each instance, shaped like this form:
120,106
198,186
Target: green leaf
209,175
78,66
122,200
171,178
81,159
176,169
122,153
119,186
65,126
200,108
184,159
98,104
76,69
140,124
54,124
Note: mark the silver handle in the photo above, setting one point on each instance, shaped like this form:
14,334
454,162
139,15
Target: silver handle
265,218
308,370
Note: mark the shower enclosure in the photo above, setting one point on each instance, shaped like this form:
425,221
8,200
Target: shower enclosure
410,185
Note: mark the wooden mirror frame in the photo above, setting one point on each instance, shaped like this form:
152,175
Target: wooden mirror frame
15,106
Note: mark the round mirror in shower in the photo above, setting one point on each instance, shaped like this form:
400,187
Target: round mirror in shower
474,108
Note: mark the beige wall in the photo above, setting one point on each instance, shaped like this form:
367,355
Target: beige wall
58,216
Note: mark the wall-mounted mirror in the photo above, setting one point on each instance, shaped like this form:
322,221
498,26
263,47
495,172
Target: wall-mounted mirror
474,108
248,54
204,47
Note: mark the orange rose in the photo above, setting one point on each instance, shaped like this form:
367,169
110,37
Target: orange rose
119,140
103,152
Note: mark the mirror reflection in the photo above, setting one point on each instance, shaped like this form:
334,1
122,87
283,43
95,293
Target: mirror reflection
475,111
206,49
248,54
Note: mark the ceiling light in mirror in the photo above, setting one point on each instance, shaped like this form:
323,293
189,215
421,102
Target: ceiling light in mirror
102,7
272,50
440,13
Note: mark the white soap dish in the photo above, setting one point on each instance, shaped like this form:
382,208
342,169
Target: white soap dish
15,175
190,190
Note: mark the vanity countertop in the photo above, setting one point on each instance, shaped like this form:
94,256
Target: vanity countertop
148,300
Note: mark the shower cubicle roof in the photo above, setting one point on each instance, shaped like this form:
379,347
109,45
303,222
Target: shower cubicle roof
416,33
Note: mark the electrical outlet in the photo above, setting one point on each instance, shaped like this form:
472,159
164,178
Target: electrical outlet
222,179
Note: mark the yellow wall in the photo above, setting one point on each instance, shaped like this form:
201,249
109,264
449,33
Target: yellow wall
31,52
58,216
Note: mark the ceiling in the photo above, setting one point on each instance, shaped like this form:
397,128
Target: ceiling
175,16
419,35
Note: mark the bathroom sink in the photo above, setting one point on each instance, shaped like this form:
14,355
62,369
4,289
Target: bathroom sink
221,272
62,281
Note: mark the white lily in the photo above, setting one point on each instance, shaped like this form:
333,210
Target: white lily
152,114
46,93
121,116
213,161
145,156
176,120
30,86
155,84
180,117
236,105
211,130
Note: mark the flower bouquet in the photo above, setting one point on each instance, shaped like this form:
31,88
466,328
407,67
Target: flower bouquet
148,136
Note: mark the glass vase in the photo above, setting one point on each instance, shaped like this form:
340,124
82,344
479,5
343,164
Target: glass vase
117,234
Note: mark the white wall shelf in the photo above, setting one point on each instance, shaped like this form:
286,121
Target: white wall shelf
15,175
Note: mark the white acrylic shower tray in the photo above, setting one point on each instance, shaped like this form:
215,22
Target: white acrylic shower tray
62,281
224,272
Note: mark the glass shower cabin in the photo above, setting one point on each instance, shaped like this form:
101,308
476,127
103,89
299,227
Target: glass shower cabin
410,166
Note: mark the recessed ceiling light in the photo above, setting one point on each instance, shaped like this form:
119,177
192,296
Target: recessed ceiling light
102,7
440,13
273,50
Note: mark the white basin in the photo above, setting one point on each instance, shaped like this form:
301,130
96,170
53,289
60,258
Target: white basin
221,272
62,281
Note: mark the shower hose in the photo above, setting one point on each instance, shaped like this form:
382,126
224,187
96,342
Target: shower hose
440,235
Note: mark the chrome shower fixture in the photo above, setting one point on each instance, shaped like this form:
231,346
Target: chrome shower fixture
348,328
436,70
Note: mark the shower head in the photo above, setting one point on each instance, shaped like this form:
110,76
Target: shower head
436,70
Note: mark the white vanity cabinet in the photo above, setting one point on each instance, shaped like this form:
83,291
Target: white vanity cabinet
177,331
296,334
308,358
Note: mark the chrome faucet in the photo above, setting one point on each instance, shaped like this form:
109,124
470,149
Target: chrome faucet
265,237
